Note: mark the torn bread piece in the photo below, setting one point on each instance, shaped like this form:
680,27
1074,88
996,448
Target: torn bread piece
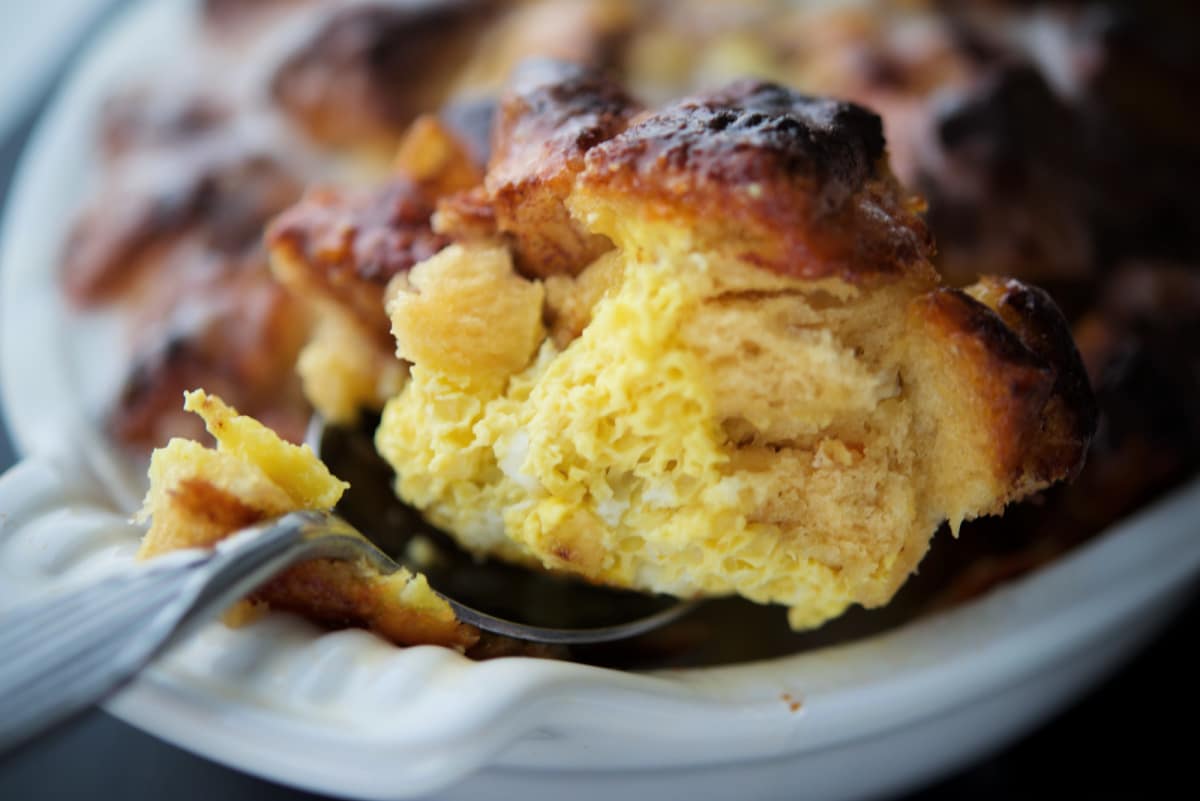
336,250
200,495
757,384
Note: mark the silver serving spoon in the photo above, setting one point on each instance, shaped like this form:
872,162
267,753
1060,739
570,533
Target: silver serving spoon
62,655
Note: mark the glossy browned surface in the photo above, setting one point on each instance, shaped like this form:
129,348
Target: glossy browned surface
341,594
795,184
214,505
329,592
1068,421
346,245
1026,368
343,245
549,117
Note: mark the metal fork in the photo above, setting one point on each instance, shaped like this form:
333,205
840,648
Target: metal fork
60,656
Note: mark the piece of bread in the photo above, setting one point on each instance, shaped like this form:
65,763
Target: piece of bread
199,495
756,386
337,249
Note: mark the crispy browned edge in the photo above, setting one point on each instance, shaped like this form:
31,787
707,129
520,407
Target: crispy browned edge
338,594
344,245
332,593
1027,370
794,184
550,116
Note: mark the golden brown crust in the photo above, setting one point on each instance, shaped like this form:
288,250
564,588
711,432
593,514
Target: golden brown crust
332,593
1069,418
794,184
215,506
199,496
343,246
338,594
551,115
466,216
1026,373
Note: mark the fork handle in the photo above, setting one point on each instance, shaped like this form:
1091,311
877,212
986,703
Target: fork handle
64,654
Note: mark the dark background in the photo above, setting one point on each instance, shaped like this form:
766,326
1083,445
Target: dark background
1131,737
